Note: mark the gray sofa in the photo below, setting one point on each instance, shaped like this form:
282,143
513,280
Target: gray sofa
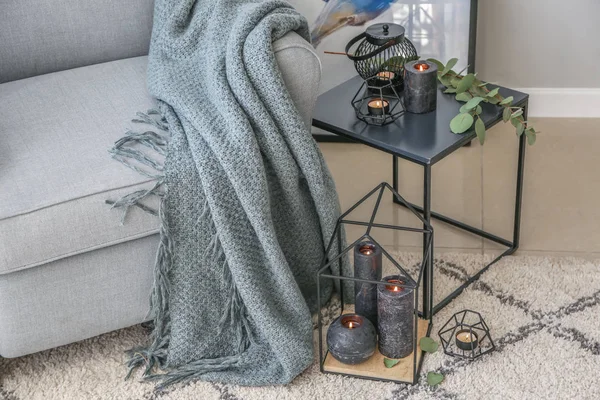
72,75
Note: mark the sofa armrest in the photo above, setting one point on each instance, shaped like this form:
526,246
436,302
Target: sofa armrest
301,71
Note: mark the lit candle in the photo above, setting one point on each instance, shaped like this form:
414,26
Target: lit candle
422,66
351,339
367,265
420,87
378,107
351,322
466,339
386,75
395,305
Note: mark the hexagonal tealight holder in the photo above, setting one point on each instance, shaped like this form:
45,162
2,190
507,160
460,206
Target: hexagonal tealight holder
466,335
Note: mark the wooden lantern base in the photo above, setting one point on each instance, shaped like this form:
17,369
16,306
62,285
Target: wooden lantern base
374,367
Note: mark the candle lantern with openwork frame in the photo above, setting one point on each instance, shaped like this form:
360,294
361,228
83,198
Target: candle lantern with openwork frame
376,289
466,335
380,54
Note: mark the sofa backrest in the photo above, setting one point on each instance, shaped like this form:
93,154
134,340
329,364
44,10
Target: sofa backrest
42,36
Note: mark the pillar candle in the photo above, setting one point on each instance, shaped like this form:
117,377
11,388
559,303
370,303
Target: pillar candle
420,86
396,318
351,339
367,265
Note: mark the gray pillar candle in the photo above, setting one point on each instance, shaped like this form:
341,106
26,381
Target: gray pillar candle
420,86
367,265
396,318
351,339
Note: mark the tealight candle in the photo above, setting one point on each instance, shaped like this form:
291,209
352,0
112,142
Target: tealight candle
420,86
466,339
367,265
395,305
378,107
351,339
386,76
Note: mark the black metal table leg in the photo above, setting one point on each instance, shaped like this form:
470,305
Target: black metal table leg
428,307
428,272
519,191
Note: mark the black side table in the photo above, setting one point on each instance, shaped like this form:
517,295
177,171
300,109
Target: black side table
423,139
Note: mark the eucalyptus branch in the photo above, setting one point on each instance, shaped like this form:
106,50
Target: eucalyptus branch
472,91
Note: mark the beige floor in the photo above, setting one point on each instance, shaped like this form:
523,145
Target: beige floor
561,207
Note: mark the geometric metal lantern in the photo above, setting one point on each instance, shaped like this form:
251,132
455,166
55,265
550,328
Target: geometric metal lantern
372,90
466,335
382,49
408,368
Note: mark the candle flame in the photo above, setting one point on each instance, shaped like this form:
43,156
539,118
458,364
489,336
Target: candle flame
350,325
422,67
393,287
378,103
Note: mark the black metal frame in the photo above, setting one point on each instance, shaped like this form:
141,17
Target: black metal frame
370,90
485,343
427,232
428,214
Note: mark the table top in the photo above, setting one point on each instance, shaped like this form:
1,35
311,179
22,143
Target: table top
420,138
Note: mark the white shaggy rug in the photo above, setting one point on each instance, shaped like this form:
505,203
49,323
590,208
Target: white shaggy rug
542,312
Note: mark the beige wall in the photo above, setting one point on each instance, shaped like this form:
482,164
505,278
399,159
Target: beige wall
539,43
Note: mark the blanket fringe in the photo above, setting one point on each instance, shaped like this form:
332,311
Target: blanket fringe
235,314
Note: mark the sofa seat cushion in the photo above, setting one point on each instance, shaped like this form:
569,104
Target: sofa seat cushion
55,171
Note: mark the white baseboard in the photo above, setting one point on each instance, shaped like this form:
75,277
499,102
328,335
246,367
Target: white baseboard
563,102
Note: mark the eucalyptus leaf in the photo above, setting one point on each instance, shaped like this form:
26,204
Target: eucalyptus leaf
517,113
450,90
445,81
531,138
493,92
480,130
461,123
514,122
506,114
465,83
451,63
455,81
463,109
492,100
463,97
433,378
474,102
389,363
428,345
478,110
507,100
482,84
439,65
479,92
520,128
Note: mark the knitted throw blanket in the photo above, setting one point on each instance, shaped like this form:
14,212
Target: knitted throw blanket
247,200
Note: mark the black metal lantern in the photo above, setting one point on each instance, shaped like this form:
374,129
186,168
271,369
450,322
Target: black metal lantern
380,55
466,335
398,316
